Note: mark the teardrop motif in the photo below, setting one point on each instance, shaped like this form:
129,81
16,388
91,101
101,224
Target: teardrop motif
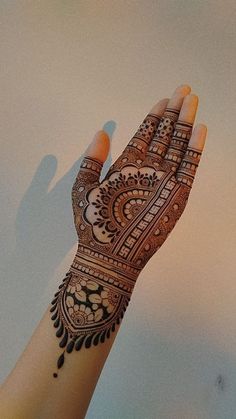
79,343
63,342
89,341
60,330
60,361
70,346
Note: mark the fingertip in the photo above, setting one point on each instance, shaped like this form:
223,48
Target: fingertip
164,101
192,98
159,107
198,138
189,107
183,89
101,135
202,127
99,148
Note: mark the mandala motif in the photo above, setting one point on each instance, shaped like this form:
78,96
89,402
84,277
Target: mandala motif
118,200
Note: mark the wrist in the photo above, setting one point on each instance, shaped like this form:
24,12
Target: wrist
107,270
92,299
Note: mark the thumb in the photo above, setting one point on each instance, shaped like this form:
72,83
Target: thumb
95,155
91,165
99,148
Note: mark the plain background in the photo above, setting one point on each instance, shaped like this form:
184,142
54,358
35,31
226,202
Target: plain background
68,69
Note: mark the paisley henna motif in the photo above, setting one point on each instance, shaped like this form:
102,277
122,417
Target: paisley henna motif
121,222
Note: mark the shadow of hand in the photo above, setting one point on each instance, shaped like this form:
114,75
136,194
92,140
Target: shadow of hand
44,221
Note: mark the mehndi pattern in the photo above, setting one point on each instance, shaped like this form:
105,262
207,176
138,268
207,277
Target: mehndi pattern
121,222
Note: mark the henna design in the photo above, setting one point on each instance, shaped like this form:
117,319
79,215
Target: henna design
121,222
161,140
179,143
140,141
189,166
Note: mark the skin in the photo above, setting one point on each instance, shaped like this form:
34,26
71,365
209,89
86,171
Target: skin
30,391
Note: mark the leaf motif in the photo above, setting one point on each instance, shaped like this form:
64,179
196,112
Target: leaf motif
70,301
81,295
95,298
98,314
91,285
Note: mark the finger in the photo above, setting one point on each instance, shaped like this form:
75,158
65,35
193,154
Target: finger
161,139
140,141
91,165
190,162
182,132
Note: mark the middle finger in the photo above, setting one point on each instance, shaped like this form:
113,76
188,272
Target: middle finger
163,134
182,132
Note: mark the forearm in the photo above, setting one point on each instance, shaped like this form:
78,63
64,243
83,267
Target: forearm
32,391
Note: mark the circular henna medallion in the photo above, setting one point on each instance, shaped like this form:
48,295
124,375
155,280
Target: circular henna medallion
109,210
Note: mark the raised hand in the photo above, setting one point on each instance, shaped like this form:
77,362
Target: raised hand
123,220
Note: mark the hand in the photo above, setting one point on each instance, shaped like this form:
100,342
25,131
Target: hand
132,211
122,221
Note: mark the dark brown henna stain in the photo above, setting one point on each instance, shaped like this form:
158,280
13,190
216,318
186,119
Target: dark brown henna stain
121,222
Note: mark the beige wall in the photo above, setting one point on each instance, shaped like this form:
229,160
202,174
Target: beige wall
68,69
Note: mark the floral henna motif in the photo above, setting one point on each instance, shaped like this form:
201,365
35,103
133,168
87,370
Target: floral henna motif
85,311
121,222
118,199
